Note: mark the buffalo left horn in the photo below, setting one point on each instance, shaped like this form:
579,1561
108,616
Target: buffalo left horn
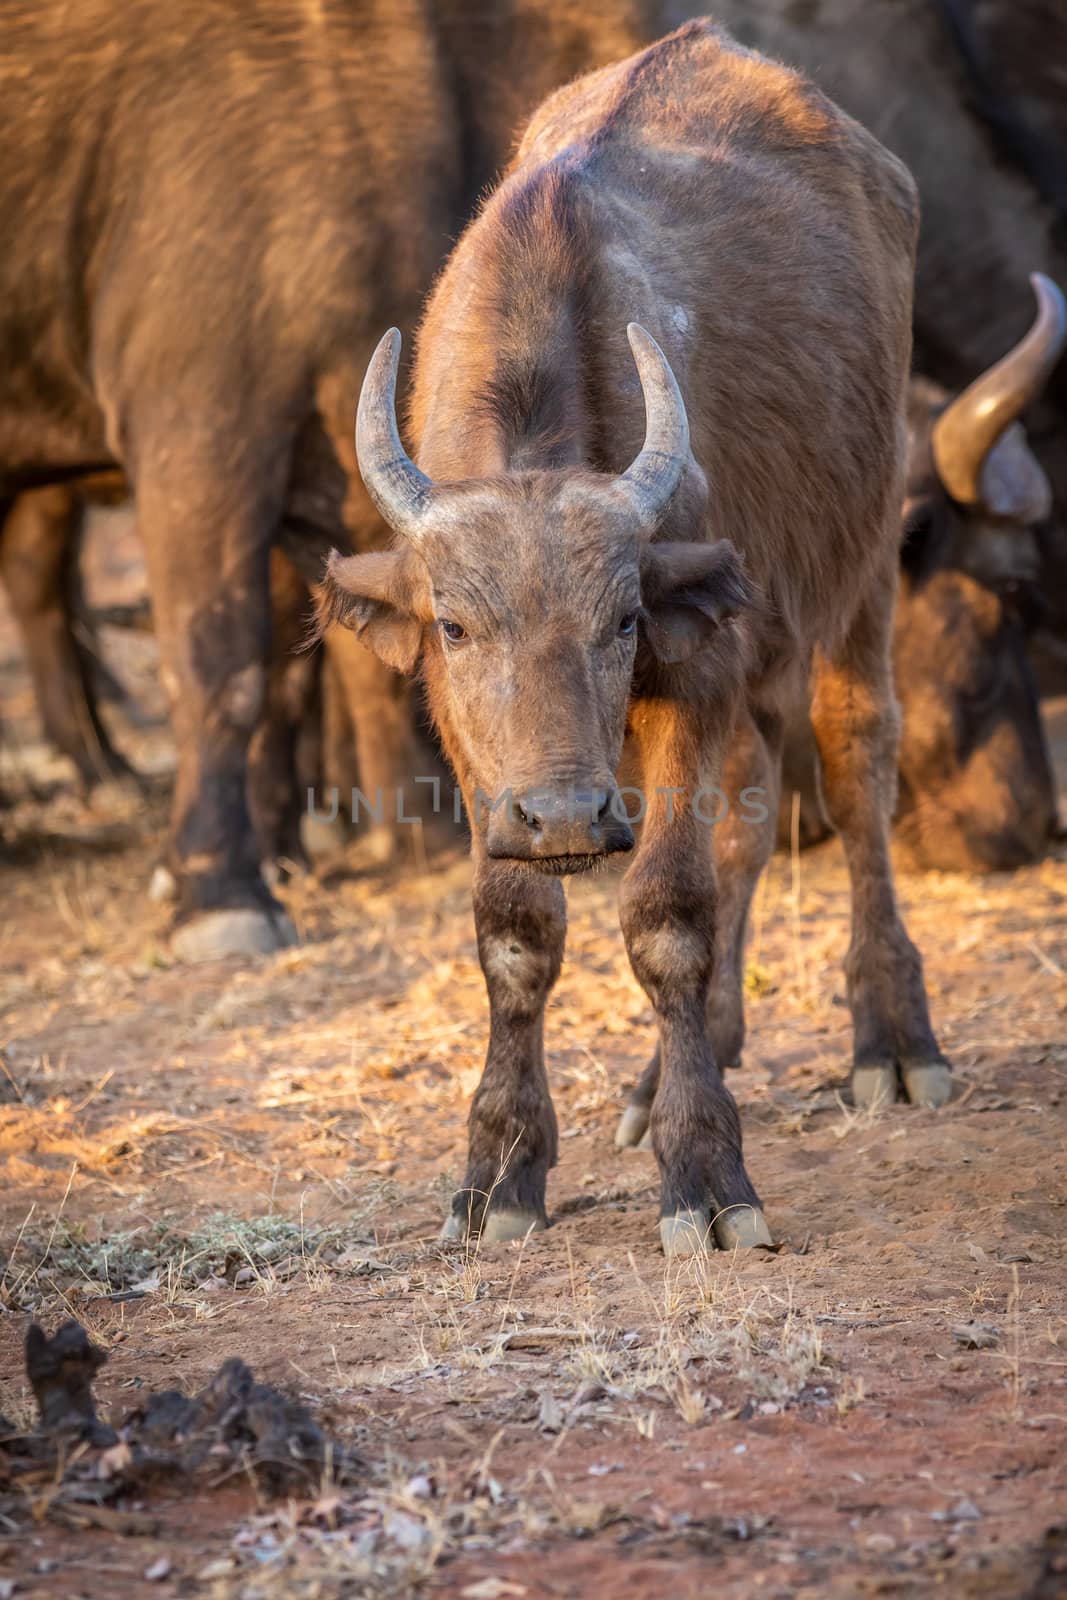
968,429
399,490
654,475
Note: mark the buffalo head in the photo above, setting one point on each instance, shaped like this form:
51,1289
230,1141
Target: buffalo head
527,597
976,785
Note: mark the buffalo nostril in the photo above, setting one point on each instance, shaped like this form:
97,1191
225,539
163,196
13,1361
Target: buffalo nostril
527,814
594,807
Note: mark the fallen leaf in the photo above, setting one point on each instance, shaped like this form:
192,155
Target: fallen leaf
965,1511
217,1569
408,1532
491,1589
585,1516
976,1335
550,1414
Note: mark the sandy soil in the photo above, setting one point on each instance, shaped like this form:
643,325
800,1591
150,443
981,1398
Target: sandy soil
255,1160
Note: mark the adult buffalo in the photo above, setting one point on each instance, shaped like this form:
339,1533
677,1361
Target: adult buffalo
969,94
976,786
555,595
209,209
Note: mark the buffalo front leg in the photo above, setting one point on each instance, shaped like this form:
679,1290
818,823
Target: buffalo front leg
743,839
855,719
521,921
274,792
668,906
207,537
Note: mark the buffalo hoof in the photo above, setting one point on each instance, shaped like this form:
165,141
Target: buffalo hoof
380,847
498,1227
374,849
217,934
690,1233
927,1083
162,886
742,1228
874,1087
687,1233
632,1129
501,1225
116,793
321,838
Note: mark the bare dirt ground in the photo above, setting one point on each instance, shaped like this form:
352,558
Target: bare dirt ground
254,1160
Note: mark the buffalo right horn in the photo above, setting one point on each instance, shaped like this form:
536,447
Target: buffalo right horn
399,490
968,429
655,473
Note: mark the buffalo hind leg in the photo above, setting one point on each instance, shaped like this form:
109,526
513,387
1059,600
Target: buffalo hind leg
39,552
632,1132
274,795
667,907
380,706
207,522
521,921
743,841
855,719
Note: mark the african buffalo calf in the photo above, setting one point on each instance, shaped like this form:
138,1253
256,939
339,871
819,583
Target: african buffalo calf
757,247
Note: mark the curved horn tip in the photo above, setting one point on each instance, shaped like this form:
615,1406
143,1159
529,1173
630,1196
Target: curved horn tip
1050,299
971,426
640,339
655,473
387,348
392,480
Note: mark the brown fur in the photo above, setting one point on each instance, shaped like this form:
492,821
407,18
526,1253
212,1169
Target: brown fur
767,242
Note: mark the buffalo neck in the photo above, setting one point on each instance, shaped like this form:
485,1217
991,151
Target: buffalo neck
505,385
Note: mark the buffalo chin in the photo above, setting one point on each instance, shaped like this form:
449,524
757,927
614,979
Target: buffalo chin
567,866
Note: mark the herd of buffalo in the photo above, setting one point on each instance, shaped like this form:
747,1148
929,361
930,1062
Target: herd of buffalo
731,428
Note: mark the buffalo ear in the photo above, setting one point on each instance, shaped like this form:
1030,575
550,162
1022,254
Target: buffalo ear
688,591
383,597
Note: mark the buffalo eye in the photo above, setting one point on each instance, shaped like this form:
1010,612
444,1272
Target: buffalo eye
454,632
627,624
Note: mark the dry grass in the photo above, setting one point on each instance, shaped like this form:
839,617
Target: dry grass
72,1260
263,1155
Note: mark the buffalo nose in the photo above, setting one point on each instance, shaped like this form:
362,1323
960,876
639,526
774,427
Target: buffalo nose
546,811
553,824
